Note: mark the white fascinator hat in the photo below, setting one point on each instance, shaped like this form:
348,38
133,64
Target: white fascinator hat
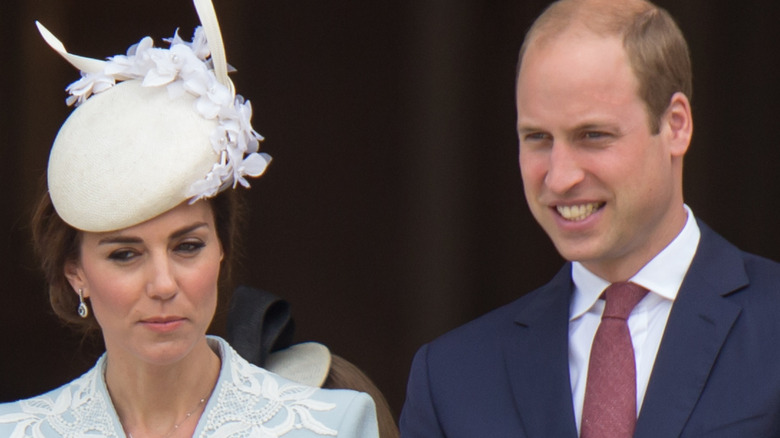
151,129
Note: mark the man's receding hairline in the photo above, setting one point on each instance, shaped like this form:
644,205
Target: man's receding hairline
598,17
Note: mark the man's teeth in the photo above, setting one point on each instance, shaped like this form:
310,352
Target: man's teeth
577,212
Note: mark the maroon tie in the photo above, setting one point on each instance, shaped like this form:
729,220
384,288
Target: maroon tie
609,410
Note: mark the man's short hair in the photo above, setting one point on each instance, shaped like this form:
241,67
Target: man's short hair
655,46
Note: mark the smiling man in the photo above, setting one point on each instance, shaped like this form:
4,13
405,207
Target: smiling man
657,326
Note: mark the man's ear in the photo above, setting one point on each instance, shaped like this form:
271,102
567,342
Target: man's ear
677,124
75,276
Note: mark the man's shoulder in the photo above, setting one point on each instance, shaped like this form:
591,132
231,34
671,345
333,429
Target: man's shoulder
721,270
487,325
714,248
762,290
491,329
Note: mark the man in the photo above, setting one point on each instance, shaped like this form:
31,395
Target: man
604,121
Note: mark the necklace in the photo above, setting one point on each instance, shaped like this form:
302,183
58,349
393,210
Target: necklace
176,426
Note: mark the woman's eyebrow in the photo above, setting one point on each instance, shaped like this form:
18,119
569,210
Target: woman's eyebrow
187,230
119,239
132,240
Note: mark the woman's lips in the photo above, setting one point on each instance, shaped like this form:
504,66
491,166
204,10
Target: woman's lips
163,324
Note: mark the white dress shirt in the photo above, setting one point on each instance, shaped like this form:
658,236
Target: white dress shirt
662,276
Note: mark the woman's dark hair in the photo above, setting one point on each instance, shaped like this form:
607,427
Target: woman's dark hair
57,243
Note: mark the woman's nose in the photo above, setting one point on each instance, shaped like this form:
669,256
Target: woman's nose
162,282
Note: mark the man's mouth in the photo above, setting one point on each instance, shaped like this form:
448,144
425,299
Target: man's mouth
576,213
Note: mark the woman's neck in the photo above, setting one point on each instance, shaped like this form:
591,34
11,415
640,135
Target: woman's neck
162,400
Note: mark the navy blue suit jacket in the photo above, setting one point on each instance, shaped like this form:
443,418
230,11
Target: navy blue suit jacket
717,372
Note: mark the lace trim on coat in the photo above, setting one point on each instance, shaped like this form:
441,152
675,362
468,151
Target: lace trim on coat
256,403
79,409
247,401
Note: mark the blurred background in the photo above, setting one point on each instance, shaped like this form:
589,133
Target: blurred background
393,211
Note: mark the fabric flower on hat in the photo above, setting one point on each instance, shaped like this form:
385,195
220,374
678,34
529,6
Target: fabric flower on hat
88,84
198,45
186,67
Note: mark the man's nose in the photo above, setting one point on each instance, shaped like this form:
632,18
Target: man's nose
564,171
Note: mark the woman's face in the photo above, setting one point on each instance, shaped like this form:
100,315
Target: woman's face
153,286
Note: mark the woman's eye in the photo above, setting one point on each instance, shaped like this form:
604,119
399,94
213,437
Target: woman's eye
122,255
189,247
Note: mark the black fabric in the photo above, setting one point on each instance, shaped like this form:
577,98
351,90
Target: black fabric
258,324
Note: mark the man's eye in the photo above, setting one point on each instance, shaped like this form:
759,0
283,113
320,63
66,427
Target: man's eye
595,135
536,136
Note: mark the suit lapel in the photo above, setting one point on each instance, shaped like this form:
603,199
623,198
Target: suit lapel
698,325
536,357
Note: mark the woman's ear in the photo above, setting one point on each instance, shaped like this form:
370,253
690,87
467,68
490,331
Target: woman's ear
75,276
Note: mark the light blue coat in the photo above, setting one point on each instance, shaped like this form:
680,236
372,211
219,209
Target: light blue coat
247,401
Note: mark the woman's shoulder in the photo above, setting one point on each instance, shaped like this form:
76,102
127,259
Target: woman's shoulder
258,401
62,411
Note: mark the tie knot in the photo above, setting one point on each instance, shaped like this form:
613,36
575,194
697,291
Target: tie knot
621,298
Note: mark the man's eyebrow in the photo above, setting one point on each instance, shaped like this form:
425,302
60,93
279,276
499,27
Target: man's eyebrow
592,126
524,129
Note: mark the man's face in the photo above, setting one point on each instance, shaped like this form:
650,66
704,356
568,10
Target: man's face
606,190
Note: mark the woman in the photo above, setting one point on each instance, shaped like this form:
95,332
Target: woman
133,234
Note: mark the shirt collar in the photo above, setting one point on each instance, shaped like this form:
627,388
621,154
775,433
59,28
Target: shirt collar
663,275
